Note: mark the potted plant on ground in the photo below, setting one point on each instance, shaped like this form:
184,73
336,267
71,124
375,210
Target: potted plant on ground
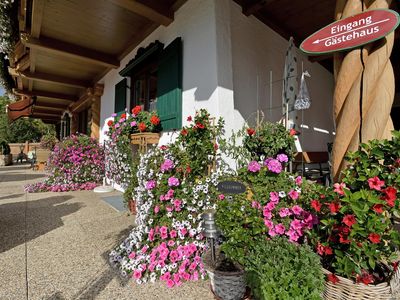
6,156
356,236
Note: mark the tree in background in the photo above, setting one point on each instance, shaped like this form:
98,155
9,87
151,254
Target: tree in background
23,129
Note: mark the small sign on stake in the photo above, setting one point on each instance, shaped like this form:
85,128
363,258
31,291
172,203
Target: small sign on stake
231,187
352,32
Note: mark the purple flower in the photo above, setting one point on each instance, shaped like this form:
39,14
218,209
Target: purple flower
121,120
167,165
113,115
133,124
282,158
280,229
254,166
173,181
151,184
284,212
274,166
297,210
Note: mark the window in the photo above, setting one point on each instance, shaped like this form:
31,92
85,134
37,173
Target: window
156,82
84,118
120,96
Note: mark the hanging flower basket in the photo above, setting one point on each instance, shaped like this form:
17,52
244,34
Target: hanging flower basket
346,289
225,284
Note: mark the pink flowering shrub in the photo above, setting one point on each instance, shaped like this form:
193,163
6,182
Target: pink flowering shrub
271,207
77,163
170,195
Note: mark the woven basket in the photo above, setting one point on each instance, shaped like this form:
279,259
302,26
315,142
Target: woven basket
346,289
225,285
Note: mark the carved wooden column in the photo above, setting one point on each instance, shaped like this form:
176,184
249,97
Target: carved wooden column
95,109
74,123
372,64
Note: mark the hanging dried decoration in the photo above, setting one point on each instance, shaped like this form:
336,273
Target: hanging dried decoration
303,100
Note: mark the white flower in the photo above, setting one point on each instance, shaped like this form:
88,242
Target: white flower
282,194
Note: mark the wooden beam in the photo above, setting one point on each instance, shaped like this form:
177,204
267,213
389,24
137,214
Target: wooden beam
155,13
53,106
45,94
51,78
87,98
69,50
23,63
254,6
46,111
22,15
37,17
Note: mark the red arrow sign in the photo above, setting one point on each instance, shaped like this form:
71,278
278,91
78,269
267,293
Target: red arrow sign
352,32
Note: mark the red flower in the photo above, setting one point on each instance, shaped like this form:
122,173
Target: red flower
184,132
365,278
374,238
123,116
292,132
110,123
215,147
328,250
199,125
137,109
324,250
155,120
250,131
316,205
334,207
390,195
375,183
343,239
189,119
142,127
378,208
163,147
349,220
332,278
395,265
188,169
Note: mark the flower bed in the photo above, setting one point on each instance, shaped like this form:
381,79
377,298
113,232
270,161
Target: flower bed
77,163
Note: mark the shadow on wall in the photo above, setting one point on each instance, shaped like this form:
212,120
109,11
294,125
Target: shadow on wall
42,216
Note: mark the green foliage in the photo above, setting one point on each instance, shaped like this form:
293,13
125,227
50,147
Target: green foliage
357,217
268,140
199,140
30,130
6,81
281,270
48,141
5,148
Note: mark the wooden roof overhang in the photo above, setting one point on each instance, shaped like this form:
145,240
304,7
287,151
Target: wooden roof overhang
67,46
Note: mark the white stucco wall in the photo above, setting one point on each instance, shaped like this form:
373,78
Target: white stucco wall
257,50
194,22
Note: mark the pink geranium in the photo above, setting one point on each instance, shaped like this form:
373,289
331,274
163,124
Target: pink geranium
173,181
254,166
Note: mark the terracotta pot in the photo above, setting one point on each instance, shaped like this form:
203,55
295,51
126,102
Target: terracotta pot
132,206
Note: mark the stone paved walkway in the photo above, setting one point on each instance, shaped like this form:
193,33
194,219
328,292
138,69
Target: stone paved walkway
55,246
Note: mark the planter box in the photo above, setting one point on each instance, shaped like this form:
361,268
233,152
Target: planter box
346,289
144,139
6,160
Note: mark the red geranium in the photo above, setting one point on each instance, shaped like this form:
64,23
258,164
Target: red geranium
250,131
189,119
123,116
155,120
137,109
374,238
188,169
316,205
365,278
349,220
110,123
378,208
333,278
184,132
334,207
199,125
292,132
142,127
375,183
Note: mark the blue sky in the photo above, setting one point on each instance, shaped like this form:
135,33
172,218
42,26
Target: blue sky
1,91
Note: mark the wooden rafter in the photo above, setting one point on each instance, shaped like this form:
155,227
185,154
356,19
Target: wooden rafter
155,13
46,111
51,78
45,94
51,106
254,6
70,50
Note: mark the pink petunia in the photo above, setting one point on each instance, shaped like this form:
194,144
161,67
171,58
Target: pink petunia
280,229
298,180
338,188
294,195
274,197
254,166
297,210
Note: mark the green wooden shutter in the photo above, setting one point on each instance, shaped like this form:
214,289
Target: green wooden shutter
169,86
120,96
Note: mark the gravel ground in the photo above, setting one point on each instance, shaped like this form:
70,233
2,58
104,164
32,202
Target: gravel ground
55,246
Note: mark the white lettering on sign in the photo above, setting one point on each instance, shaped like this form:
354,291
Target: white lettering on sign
343,36
352,25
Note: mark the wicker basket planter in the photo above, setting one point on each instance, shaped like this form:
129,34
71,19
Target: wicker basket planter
226,285
346,289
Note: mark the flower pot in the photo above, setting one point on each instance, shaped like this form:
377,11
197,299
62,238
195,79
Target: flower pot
225,284
132,206
6,160
346,289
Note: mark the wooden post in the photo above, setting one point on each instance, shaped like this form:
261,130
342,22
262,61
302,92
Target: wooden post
95,124
365,73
